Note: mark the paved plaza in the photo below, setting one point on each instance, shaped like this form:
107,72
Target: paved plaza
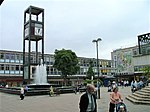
62,103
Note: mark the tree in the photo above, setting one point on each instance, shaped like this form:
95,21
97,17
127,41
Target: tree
90,71
146,71
66,61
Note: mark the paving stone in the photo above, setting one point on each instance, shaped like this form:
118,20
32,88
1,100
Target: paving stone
62,103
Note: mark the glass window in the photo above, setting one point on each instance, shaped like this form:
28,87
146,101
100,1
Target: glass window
31,59
21,57
2,67
134,52
12,56
47,58
16,72
17,67
7,67
1,56
51,69
33,70
17,56
21,72
21,61
12,67
21,68
7,56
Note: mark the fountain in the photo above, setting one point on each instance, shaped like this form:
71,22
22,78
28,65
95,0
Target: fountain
40,76
40,79
39,85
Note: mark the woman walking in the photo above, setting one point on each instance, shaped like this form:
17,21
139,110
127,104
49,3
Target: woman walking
115,97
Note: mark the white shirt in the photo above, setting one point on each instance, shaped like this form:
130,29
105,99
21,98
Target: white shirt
22,91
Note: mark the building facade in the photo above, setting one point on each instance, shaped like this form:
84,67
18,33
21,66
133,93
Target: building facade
128,63
123,60
11,68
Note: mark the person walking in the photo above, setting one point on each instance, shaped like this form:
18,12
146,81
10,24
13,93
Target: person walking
51,91
26,89
22,93
88,100
115,98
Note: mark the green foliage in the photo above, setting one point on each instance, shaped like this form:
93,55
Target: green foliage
88,81
90,71
66,61
146,71
95,82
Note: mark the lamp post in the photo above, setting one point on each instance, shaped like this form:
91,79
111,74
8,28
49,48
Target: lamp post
96,41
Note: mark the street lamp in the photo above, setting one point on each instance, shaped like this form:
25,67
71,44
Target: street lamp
96,41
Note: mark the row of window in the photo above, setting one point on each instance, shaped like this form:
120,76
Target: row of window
11,72
17,69
13,58
46,62
11,67
49,59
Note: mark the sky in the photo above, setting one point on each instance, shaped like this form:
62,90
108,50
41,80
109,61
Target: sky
74,24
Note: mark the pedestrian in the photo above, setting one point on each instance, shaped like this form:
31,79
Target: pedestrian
77,89
141,84
26,89
88,100
109,86
122,83
22,93
132,87
127,83
51,91
115,98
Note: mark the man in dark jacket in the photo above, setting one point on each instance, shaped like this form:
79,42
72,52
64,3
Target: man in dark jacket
88,100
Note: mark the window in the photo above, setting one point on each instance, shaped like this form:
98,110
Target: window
21,68
7,56
51,69
1,67
134,52
33,70
21,57
12,56
47,69
12,67
1,56
17,67
17,56
47,58
31,59
7,67
109,64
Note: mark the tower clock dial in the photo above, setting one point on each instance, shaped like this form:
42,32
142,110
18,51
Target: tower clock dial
38,31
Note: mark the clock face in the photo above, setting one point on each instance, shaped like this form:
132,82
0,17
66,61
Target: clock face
38,31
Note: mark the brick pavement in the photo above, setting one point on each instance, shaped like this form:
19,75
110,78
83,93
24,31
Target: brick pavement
62,103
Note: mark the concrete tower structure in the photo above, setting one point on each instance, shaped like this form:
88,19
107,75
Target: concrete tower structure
33,33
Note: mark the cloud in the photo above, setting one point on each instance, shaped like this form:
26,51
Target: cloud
74,24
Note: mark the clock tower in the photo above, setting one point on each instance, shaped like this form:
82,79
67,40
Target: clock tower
33,35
